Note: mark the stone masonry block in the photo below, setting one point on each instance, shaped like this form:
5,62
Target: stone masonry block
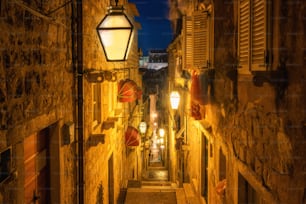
258,167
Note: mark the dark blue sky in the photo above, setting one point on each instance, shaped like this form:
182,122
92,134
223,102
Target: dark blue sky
156,30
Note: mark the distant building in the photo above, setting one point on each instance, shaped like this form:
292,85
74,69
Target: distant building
157,59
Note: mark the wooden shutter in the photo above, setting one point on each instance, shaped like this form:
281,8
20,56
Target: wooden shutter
188,42
200,39
244,34
258,35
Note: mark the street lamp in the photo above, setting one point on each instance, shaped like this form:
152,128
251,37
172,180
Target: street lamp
115,32
161,132
143,127
174,99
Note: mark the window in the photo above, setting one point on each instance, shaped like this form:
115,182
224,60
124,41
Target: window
5,164
196,40
253,36
96,103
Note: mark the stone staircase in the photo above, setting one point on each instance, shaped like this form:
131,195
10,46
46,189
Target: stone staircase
154,192
185,195
156,184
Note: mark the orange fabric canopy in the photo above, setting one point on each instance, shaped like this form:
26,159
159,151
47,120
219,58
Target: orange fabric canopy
128,91
132,137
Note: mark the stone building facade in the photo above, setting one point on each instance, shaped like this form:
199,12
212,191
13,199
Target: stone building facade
51,135
248,144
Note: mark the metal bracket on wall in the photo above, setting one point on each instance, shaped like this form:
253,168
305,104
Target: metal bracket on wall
277,78
41,14
274,77
98,76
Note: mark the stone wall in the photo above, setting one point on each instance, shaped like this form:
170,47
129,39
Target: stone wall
98,153
260,129
263,127
36,89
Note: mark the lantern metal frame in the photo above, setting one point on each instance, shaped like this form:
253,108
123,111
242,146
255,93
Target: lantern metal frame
115,11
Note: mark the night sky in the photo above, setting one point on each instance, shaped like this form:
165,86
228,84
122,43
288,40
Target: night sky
156,31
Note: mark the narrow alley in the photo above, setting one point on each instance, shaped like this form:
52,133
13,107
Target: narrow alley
153,102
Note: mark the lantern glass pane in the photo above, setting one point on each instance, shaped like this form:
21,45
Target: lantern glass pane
115,43
161,132
174,99
143,127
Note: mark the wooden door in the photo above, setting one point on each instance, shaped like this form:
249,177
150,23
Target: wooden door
36,163
204,166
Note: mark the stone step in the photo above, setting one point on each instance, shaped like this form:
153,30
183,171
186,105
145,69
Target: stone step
156,183
151,189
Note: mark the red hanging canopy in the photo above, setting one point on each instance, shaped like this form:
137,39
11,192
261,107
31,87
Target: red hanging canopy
199,88
128,91
132,137
199,94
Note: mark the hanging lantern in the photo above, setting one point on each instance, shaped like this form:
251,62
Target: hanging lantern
174,99
115,34
143,127
161,132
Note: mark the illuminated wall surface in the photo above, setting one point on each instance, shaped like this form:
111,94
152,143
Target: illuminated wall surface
62,137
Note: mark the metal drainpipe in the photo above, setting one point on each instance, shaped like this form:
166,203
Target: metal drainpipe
80,105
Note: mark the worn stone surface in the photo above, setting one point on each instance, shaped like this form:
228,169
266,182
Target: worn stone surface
35,90
112,156
261,127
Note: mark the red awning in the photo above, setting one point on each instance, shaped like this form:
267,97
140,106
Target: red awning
199,94
132,137
199,88
128,91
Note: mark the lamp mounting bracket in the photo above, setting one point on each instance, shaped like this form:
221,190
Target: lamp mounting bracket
98,76
277,78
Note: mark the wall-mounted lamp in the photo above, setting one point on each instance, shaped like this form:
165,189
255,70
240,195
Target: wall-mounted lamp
161,132
174,99
143,127
115,33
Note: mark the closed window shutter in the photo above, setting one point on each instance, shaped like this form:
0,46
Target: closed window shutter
188,42
200,39
258,35
244,34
